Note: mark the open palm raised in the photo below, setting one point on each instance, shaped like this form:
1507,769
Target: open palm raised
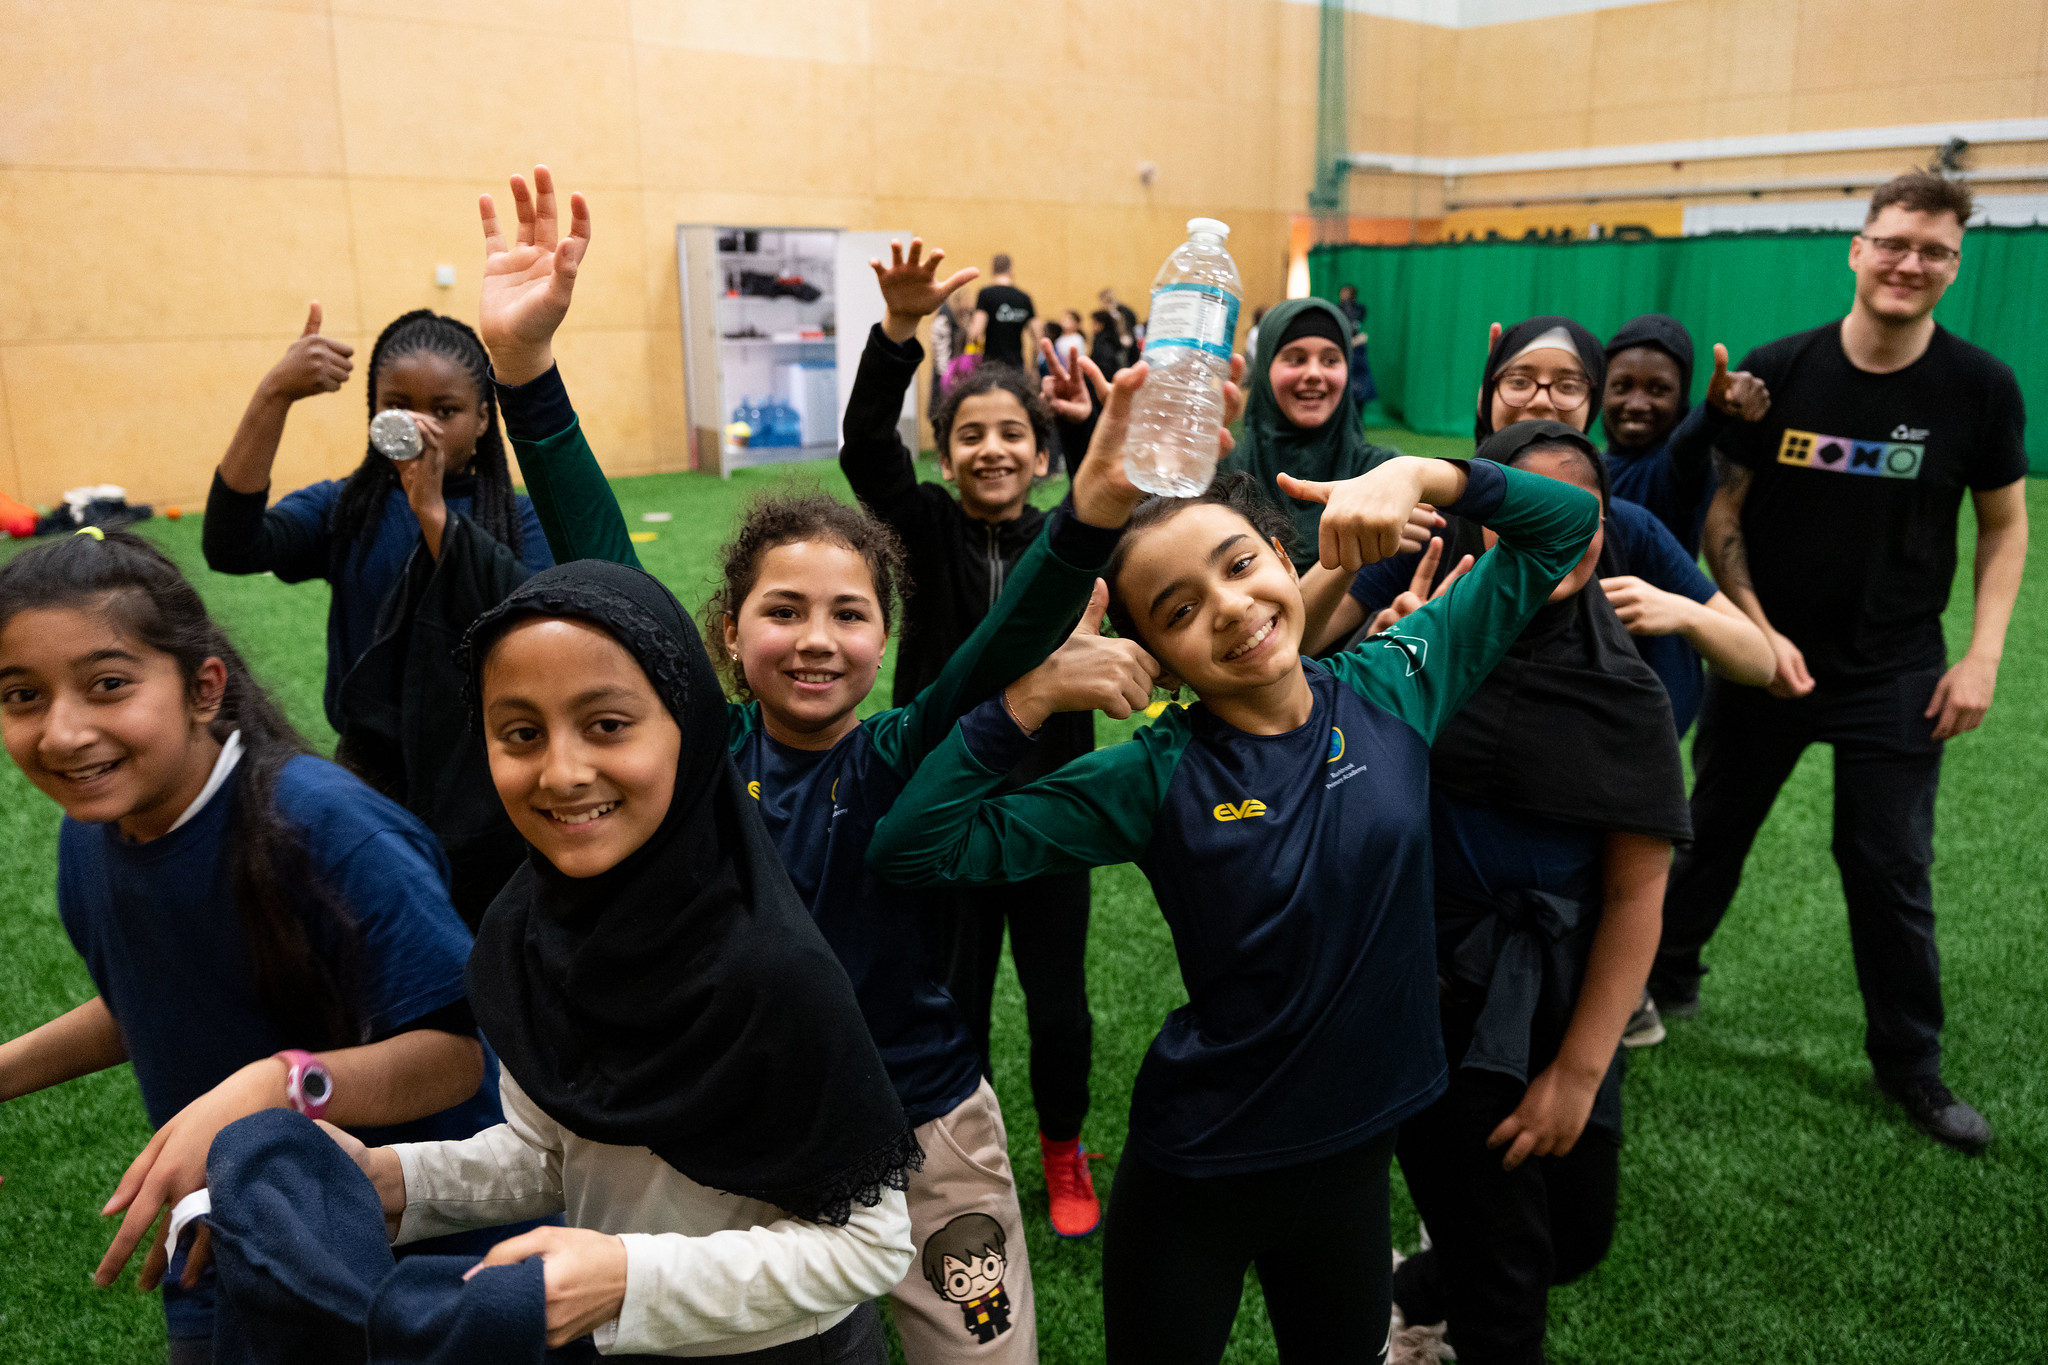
528,281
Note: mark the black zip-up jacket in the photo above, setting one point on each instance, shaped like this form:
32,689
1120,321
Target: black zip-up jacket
957,564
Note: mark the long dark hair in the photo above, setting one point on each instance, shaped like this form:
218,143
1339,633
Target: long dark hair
360,507
302,942
786,519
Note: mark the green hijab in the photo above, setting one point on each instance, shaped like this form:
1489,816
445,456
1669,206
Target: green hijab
1268,444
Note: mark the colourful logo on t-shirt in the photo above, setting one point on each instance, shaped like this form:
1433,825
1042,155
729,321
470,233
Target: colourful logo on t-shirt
1241,810
1336,745
1846,455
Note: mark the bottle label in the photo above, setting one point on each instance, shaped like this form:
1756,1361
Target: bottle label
1196,315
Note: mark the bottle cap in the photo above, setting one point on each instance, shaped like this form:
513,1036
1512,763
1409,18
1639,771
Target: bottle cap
1211,226
396,435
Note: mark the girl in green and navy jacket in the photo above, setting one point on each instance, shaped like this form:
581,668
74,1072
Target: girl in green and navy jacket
1284,825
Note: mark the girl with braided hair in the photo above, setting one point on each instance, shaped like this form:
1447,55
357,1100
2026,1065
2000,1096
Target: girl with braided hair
414,550
358,532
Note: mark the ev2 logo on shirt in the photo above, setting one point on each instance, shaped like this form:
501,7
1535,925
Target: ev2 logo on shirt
1242,810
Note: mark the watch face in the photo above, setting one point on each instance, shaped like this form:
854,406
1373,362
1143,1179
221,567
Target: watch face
395,435
315,1087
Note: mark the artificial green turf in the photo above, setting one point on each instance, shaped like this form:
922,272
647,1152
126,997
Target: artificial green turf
1772,1208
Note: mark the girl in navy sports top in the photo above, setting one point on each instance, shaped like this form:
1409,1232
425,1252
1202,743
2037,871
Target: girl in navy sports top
255,919
1283,826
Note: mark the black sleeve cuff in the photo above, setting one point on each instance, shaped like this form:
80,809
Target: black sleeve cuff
1077,543
1486,483
993,737
908,351
537,409
455,1017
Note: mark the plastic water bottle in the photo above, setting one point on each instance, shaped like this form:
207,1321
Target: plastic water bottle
1177,417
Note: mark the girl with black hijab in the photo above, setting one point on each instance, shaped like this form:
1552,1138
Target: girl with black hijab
687,1076
1300,417
1555,796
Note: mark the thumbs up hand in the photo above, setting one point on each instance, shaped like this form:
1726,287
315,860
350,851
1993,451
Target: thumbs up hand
311,364
1740,394
1090,672
1378,514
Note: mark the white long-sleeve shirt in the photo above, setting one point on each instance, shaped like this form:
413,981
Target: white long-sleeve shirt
707,1273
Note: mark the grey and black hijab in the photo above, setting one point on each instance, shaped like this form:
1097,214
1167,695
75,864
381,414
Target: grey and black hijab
684,1001
1518,339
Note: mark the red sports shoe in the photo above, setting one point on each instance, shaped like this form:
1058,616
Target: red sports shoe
1076,1211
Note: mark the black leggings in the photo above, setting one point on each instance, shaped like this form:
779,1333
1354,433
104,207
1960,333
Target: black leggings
1048,924
1175,1251
1501,1239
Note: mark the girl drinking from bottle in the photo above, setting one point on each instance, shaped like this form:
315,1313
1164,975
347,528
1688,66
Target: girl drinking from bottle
423,536
1283,824
262,929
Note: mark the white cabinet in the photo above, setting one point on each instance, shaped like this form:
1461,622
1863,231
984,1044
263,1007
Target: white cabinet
774,320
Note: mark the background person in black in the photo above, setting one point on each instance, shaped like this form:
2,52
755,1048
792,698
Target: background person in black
994,434
1834,527
1003,317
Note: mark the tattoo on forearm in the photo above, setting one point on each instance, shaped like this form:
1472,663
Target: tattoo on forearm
1726,553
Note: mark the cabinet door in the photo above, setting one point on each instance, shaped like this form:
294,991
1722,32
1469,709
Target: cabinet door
859,308
697,273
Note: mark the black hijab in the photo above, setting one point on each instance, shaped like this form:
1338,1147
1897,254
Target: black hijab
1571,725
1511,344
684,1001
1664,333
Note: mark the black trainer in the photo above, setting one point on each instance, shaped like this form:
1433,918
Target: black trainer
1936,1112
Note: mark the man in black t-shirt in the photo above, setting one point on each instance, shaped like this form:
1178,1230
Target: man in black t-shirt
1003,318
1834,528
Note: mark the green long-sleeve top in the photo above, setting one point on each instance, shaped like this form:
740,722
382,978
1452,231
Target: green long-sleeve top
1294,870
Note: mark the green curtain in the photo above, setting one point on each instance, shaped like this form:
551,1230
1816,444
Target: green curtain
1430,305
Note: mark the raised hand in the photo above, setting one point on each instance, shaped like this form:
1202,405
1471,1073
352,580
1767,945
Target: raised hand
1065,388
1740,394
1090,672
911,288
310,365
528,281
1420,589
1103,494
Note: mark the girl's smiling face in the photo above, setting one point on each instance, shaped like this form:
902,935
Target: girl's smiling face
992,454
582,750
422,381
1218,607
809,637
1308,378
1550,367
107,727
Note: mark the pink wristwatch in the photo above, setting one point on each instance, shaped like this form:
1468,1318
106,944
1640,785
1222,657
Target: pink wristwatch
308,1084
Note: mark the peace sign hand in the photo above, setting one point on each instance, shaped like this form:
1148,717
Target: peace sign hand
1065,387
528,282
910,287
1740,394
1090,672
1419,589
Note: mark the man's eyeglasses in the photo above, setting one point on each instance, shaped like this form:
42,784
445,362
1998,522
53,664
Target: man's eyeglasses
1567,391
1892,250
